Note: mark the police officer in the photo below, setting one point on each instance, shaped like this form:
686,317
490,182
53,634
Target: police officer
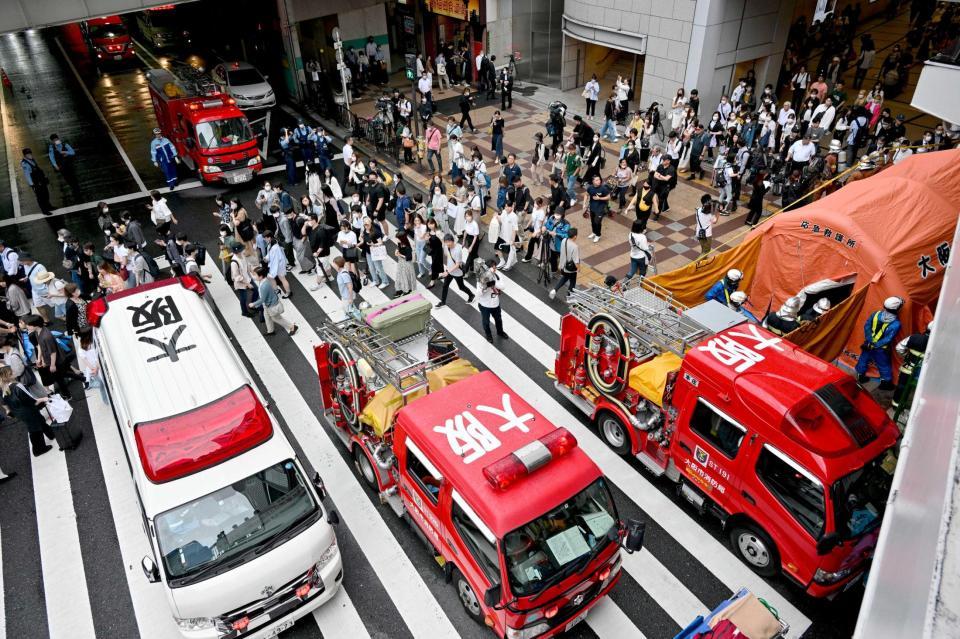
783,321
722,289
737,301
911,349
879,331
287,145
164,156
819,308
305,139
323,149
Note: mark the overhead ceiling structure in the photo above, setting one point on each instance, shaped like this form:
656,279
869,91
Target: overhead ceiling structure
18,15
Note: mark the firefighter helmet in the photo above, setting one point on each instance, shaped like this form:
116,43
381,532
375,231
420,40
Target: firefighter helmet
893,304
734,275
738,297
822,306
790,308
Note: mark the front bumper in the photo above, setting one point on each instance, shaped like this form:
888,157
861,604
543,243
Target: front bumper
829,591
261,103
233,176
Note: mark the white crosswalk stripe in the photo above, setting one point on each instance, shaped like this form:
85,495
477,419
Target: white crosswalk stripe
64,579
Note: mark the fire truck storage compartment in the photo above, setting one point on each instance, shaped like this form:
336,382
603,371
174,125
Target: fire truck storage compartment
400,318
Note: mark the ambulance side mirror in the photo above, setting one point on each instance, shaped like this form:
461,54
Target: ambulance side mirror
493,595
150,570
333,518
634,537
827,543
318,484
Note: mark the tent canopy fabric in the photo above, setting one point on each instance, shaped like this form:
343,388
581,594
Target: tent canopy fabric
893,230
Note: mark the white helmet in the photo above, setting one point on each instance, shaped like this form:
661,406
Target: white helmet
822,306
893,303
734,275
789,309
738,297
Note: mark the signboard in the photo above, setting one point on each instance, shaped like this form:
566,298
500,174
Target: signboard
453,8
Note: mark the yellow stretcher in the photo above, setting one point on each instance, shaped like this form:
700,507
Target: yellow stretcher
650,378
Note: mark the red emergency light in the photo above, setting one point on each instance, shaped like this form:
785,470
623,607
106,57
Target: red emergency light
526,459
97,308
198,439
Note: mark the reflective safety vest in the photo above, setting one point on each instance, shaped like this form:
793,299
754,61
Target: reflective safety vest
876,333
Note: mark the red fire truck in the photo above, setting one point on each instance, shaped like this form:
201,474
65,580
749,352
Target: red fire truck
787,450
211,134
521,521
108,39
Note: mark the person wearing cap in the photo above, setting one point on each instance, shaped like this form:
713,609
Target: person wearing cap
784,321
306,141
164,156
722,290
36,180
738,299
912,349
62,159
33,271
814,312
879,331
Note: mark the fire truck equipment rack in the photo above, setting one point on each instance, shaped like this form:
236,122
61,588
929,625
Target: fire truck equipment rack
647,312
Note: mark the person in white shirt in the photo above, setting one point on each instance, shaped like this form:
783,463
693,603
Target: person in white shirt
160,214
901,150
706,218
784,113
347,243
508,235
738,92
425,86
724,108
639,251
591,92
438,205
9,258
488,300
442,77
453,256
535,228
419,65
800,152
825,112
371,48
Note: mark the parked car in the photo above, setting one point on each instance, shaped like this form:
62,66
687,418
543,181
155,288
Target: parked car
245,84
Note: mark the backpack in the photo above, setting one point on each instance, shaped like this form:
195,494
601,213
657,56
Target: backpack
355,282
201,254
152,267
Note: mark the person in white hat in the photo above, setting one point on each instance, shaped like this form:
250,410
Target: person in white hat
819,308
879,331
784,321
737,301
36,276
722,290
164,156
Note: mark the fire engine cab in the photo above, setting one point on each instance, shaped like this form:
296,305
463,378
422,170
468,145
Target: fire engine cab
211,134
108,39
521,521
238,535
787,450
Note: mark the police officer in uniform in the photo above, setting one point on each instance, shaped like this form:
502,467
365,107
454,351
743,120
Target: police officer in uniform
783,321
879,332
164,156
911,349
722,290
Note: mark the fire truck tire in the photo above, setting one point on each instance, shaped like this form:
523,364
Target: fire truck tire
468,598
755,548
366,469
613,431
615,329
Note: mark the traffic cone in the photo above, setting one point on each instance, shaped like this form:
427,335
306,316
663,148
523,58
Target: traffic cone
4,79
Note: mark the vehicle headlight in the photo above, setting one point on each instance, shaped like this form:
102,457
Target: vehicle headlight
253,161
825,578
195,624
528,632
328,555
211,169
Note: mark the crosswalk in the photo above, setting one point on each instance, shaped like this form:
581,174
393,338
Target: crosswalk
392,587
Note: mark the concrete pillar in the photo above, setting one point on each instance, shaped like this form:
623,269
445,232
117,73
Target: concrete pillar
294,76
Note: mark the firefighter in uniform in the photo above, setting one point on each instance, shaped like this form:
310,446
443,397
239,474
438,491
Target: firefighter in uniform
164,155
814,312
785,320
722,290
737,301
879,332
911,349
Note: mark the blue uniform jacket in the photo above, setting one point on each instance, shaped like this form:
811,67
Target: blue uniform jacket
720,293
888,333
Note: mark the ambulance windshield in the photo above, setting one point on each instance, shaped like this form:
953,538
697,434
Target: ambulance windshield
218,531
861,497
553,546
218,134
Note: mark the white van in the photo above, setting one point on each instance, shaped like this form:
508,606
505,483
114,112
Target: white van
238,532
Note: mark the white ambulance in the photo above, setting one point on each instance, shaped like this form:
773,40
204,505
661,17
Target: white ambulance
239,536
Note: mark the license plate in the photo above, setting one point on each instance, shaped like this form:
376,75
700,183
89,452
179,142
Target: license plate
577,619
118,57
238,178
278,629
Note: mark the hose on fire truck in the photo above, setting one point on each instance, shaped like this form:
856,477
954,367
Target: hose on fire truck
610,380
347,384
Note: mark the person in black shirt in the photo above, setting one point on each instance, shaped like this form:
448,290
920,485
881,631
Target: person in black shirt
663,180
506,89
582,133
466,103
558,195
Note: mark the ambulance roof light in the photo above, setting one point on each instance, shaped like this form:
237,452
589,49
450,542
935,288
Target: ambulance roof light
526,459
198,439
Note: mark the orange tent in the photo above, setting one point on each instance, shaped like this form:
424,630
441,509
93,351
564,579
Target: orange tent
892,231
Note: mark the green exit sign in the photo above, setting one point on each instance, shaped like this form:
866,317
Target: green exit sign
410,73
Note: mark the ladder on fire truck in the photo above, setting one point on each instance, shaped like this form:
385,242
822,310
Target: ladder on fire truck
648,313
388,359
194,82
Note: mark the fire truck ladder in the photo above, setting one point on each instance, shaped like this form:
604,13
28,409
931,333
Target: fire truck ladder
647,312
388,360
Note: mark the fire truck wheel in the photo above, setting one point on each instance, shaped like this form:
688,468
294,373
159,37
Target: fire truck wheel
613,432
365,467
467,596
755,548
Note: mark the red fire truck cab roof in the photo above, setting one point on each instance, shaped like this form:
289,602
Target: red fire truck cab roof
804,396
479,424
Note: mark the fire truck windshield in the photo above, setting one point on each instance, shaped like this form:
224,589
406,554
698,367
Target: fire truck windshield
215,530
218,134
860,498
544,550
101,31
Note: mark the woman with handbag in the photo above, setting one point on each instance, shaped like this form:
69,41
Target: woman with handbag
639,251
347,243
591,91
706,218
374,252
160,214
406,281
26,408
434,251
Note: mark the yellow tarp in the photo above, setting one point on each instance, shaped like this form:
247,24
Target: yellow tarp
827,336
650,378
379,411
690,283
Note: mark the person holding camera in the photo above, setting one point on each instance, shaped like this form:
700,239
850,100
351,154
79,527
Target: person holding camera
706,218
488,299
